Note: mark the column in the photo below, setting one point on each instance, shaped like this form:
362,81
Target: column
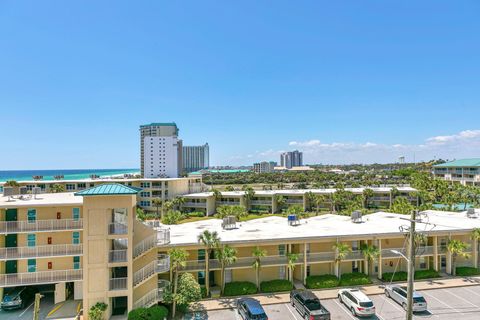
304,202
274,204
305,263
435,253
380,261
475,252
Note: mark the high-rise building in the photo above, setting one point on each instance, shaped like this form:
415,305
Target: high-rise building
160,150
264,166
195,158
291,159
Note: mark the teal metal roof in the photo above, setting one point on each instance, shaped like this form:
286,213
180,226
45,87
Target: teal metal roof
474,162
108,189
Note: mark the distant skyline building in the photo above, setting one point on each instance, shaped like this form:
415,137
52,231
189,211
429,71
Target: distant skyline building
195,158
160,150
291,159
264,166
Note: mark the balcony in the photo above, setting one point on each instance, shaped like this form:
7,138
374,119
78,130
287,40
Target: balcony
420,251
261,202
40,225
195,204
354,255
117,256
162,264
41,251
294,201
227,203
115,228
321,257
41,277
118,284
152,297
387,253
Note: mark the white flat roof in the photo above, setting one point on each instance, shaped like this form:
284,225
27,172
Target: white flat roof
88,180
297,191
325,226
43,199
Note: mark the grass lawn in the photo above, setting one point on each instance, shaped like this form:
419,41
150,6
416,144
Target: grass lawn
193,219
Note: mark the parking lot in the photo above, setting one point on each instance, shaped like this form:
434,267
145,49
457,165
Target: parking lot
462,302
46,305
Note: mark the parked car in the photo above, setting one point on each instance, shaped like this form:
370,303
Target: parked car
18,298
251,309
357,302
399,294
308,305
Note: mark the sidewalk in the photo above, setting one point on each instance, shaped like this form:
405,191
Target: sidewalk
265,299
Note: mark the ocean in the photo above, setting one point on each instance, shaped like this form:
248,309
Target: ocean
68,174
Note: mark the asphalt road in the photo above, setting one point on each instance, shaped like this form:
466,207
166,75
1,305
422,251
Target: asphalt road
461,303
46,305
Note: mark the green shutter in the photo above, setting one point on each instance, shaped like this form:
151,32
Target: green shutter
76,237
76,213
31,240
32,265
32,215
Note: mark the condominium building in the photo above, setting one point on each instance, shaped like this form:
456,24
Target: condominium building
264,166
465,171
162,188
274,201
195,158
89,244
160,150
291,159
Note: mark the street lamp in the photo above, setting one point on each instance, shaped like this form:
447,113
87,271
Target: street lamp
400,254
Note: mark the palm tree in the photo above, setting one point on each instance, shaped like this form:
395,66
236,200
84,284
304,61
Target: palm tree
226,256
249,194
178,260
281,201
57,188
210,240
456,248
291,259
475,235
217,194
257,254
310,197
367,194
371,253
178,202
341,252
319,200
157,203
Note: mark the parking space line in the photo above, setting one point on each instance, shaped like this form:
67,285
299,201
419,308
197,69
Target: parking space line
453,294
343,308
471,291
441,302
21,314
394,304
294,312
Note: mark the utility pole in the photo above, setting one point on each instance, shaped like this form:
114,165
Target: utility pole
411,266
36,308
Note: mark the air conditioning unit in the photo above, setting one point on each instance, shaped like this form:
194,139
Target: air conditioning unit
356,216
229,223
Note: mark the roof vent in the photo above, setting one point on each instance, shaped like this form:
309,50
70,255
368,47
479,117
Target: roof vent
356,217
23,191
229,223
35,191
293,220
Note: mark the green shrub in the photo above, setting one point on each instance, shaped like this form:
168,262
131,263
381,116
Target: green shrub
277,285
426,274
153,313
403,276
172,217
239,288
467,271
354,279
322,281
398,276
196,214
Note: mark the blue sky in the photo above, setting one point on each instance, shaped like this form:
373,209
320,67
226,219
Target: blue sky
345,81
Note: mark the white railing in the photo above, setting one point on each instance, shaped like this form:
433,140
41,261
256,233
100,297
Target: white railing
162,264
40,225
145,245
152,297
261,202
195,204
320,257
117,228
354,255
117,256
41,277
387,253
294,201
41,251
118,283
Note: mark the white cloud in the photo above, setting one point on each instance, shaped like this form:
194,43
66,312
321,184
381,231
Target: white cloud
463,144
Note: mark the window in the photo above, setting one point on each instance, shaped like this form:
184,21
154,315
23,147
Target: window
201,255
76,237
76,213
31,240
282,272
228,275
281,250
31,215
145,194
32,265
145,185
201,278
76,263
81,186
308,271
144,203
70,186
423,263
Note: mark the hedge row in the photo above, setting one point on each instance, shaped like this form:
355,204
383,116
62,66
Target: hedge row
153,313
322,281
467,271
277,285
354,279
402,275
239,288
